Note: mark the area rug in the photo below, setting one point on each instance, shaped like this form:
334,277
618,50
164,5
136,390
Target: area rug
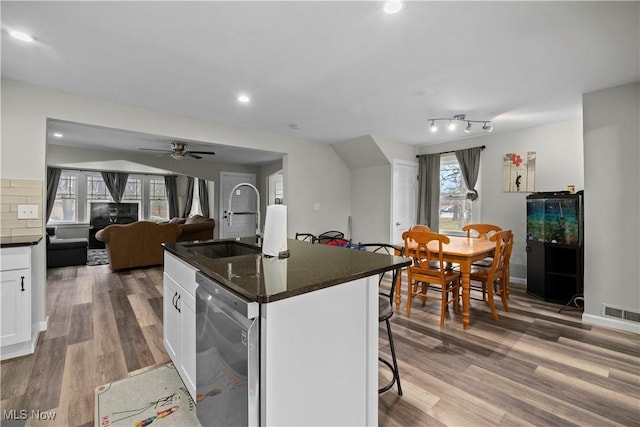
97,257
157,397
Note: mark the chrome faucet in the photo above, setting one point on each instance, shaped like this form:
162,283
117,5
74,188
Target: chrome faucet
230,212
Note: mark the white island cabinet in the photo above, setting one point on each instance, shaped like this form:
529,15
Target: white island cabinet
15,302
179,323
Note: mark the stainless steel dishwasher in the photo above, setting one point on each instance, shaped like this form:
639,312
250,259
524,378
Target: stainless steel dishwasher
227,356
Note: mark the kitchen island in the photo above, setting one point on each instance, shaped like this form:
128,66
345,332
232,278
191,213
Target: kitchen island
315,328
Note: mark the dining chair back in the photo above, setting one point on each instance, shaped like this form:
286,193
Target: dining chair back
495,279
419,227
332,238
305,237
482,231
429,269
385,309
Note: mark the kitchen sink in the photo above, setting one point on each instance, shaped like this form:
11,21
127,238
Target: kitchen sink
222,249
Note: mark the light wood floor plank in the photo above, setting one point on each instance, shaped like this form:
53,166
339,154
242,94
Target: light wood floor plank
534,366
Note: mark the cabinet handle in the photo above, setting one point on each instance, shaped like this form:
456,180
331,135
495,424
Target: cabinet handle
177,301
22,283
173,301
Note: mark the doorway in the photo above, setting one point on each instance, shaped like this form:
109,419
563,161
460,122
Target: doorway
405,196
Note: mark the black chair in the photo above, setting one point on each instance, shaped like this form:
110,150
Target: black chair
332,238
305,237
65,252
385,309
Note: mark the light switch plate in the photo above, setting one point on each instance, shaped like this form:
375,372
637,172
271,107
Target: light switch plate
27,211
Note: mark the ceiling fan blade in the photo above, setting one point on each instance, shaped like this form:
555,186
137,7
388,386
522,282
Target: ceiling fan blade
153,149
203,152
190,154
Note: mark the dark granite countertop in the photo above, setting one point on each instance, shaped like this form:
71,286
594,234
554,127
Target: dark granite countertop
310,267
13,241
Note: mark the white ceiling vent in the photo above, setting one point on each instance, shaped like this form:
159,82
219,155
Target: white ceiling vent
620,313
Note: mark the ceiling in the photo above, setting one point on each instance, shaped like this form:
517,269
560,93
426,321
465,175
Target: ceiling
337,70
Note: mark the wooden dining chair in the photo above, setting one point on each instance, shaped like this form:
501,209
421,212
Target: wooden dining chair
419,227
481,231
429,269
495,279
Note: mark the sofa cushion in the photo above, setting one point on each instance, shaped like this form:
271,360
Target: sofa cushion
62,244
196,219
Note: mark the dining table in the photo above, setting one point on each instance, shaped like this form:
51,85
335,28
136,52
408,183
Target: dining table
461,250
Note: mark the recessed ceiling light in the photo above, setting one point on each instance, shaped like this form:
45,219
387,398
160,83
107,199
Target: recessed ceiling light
22,36
58,135
244,99
393,6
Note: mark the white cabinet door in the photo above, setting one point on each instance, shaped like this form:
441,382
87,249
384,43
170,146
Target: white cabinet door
180,318
187,369
15,301
171,319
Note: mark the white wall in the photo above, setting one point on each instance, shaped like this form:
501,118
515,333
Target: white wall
371,204
559,162
612,202
313,172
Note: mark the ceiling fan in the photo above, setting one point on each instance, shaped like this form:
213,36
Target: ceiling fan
179,151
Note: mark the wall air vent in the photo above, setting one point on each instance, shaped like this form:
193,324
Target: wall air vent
620,313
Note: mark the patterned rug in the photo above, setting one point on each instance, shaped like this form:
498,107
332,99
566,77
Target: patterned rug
157,397
97,257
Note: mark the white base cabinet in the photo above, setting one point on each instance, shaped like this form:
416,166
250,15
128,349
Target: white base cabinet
15,302
179,323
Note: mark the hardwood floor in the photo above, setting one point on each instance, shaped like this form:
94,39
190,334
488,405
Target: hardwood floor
534,366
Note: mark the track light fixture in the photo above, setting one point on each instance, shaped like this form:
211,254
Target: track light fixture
453,121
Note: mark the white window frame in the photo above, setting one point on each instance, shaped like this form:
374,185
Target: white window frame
82,202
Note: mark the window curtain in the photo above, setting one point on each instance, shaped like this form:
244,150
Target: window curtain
204,197
189,201
469,161
171,188
116,183
429,190
53,179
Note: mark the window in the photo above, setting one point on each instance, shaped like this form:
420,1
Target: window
65,205
455,209
78,189
158,207
195,205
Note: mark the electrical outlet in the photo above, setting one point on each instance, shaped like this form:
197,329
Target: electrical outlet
27,211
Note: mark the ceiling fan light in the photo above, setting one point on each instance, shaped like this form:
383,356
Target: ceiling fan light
178,156
468,128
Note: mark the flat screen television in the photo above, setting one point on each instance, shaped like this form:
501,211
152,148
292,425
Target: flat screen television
103,214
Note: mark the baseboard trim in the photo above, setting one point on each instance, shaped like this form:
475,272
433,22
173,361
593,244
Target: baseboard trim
611,323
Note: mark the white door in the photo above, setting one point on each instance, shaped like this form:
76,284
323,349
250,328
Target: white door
405,197
243,205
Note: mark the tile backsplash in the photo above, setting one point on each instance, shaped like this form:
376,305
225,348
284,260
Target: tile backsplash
15,192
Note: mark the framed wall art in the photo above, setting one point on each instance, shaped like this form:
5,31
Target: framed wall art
519,172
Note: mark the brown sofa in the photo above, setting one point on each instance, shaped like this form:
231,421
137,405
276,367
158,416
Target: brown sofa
195,227
137,244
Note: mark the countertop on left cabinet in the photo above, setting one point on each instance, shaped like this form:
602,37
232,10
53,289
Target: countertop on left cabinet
15,297
13,241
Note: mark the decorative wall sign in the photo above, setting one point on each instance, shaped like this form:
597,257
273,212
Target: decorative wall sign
519,172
